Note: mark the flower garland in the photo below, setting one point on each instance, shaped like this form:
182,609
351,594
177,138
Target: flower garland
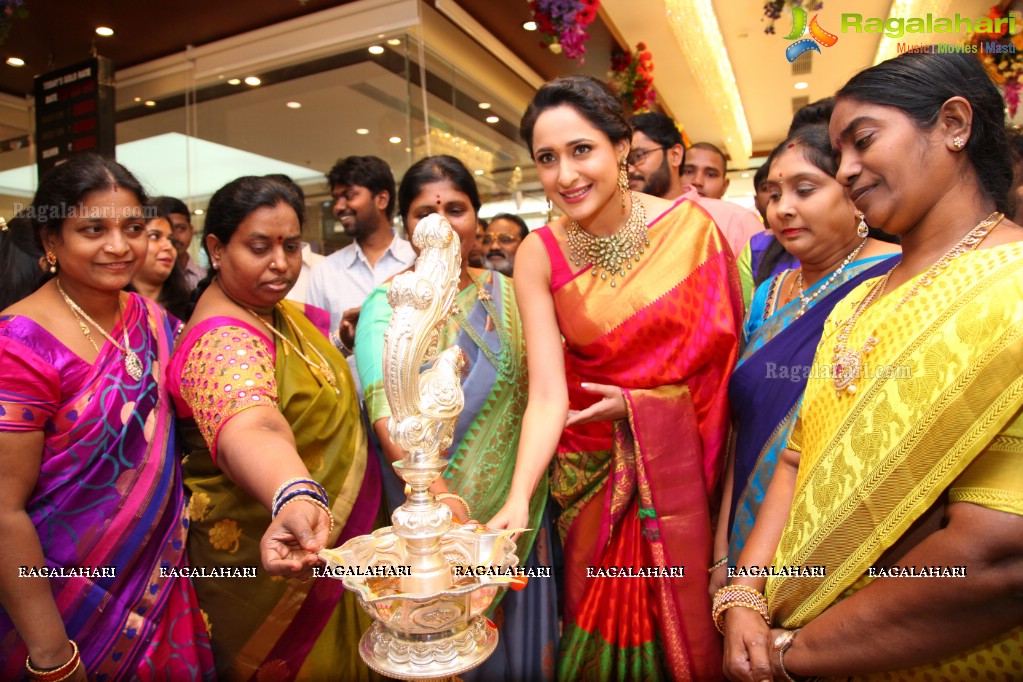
632,77
773,10
563,23
1004,67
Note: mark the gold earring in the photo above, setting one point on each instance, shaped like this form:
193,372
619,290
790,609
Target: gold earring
958,142
51,258
862,230
623,180
550,211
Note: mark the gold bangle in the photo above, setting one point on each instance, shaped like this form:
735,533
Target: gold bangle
311,500
737,595
61,672
452,496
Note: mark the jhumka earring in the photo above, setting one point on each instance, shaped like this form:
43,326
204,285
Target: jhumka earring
623,180
550,211
52,260
862,230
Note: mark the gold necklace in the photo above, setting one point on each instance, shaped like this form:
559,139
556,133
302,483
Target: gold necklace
615,253
501,361
848,362
132,363
322,366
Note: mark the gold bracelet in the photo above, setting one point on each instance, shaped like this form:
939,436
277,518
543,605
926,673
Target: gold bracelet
717,564
311,500
452,496
782,642
59,673
738,595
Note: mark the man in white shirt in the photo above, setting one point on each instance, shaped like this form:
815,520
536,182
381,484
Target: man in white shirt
656,160
364,194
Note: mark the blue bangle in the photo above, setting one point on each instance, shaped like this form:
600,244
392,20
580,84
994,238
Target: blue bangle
293,482
298,493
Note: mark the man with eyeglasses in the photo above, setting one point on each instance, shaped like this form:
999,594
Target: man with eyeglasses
501,240
655,163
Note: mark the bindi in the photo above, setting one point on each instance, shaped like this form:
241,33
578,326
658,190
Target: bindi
438,200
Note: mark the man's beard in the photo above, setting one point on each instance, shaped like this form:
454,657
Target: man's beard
504,266
659,182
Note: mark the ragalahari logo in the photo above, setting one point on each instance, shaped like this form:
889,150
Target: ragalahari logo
817,35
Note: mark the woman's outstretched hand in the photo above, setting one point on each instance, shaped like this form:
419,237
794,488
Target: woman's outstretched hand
610,407
291,542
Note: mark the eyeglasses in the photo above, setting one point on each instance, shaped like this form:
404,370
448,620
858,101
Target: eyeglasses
503,239
636,156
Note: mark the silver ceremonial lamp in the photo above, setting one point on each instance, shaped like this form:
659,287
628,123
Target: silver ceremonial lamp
429,624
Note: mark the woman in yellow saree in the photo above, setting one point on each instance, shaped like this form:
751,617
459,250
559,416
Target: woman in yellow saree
903,481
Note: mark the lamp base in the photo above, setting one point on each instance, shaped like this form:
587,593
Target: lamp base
428,657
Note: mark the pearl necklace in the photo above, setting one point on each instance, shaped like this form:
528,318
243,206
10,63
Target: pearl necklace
805,300
615,253
502,361
132,363
848,362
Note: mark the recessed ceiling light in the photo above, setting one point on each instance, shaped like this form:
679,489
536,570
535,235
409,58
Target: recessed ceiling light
15,61
150,103
484,105
394,41
362,131
745,175
104,31
198,211
394,140
478,171
376,49
294,105
529,26
235,81
252,80
138,99
801,85
492,119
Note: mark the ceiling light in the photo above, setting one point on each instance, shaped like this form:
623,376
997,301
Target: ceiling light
745,175
150,103
104,31
138,99
492,119
376,49
478,171
294,105
529,26
484,105
362,131
394,140
252,80
198,211
235,81
801,85
696,30
394,41
15,61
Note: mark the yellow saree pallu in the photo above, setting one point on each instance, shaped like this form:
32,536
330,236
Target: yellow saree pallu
936,412
637,493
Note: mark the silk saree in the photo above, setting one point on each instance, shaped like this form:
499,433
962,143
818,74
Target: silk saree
637,492
936,416
109,496
267,627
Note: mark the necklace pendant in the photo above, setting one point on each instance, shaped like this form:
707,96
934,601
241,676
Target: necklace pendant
133,365
848,364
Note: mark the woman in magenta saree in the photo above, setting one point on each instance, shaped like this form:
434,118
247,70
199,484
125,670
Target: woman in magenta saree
634,471
93,502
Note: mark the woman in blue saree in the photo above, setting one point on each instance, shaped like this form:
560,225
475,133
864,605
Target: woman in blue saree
811,215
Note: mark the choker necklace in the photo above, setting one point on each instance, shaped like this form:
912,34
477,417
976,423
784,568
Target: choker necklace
502,361
804,300
132,364
848,362
614,254
322,366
